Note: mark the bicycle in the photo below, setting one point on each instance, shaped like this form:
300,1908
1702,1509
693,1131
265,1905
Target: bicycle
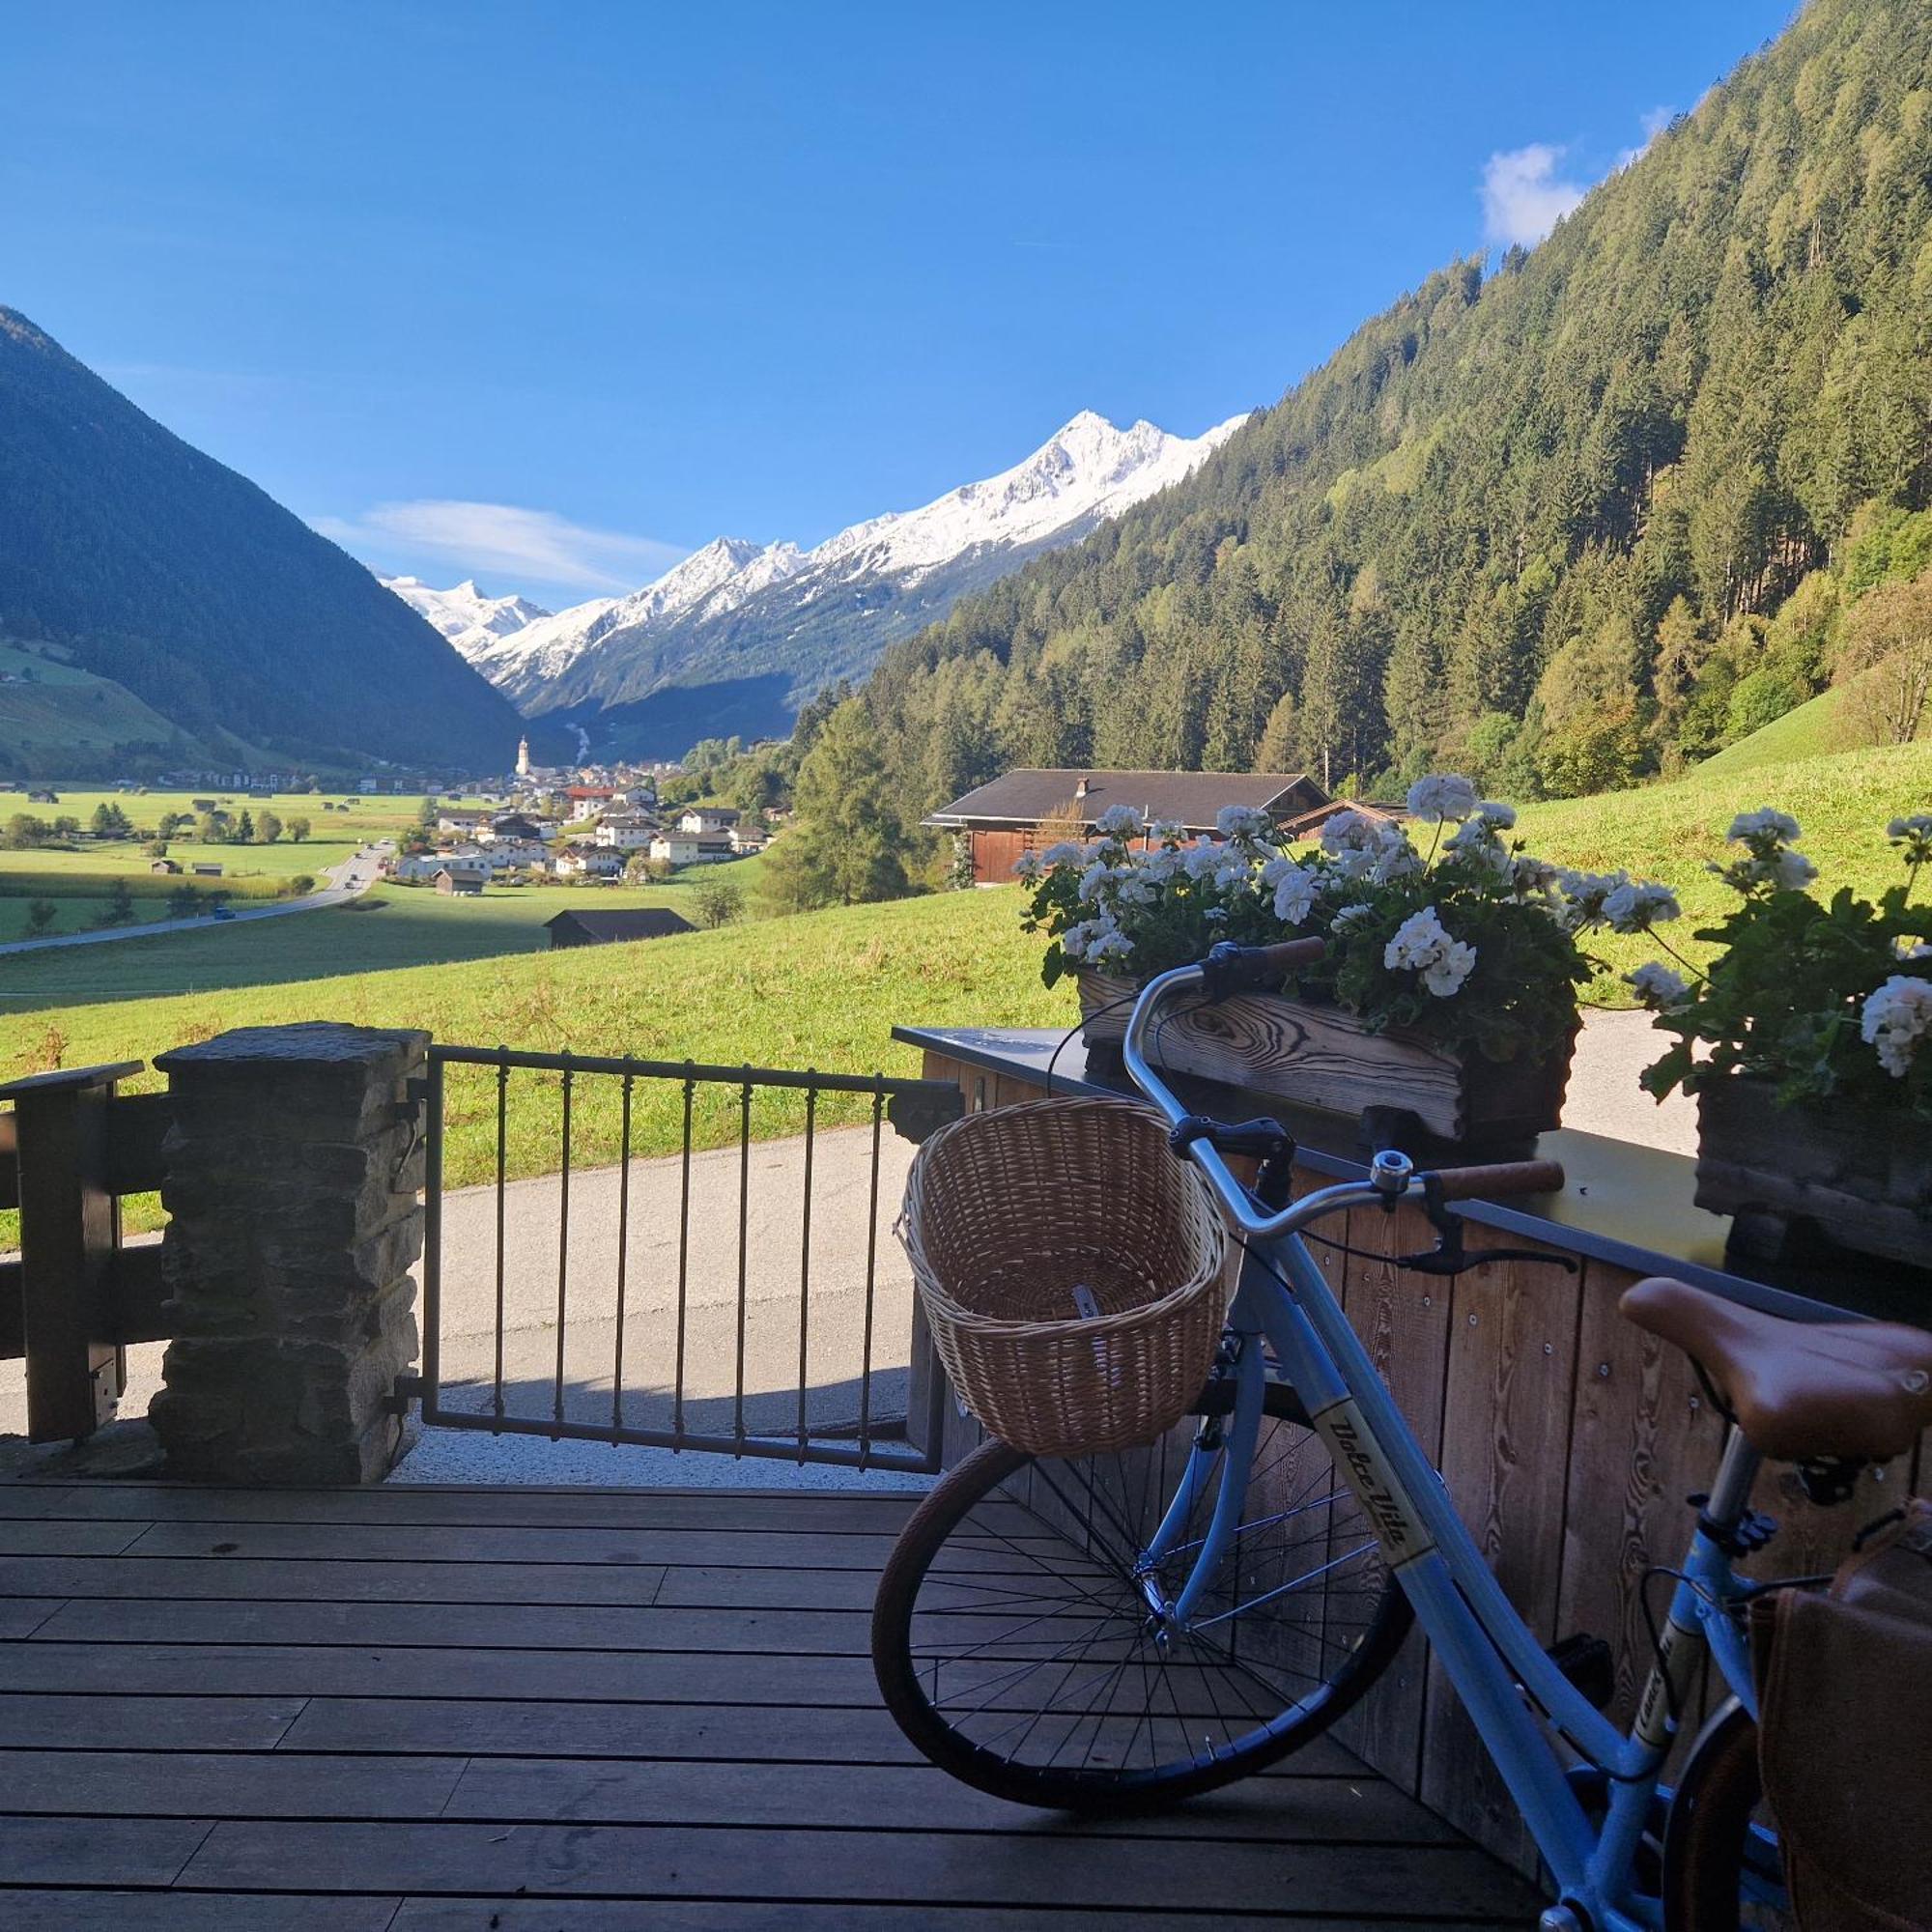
1114,1634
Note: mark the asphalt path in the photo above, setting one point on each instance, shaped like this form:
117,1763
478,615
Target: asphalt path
349,880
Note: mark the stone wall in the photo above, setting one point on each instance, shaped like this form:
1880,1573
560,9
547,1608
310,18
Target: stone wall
292,1173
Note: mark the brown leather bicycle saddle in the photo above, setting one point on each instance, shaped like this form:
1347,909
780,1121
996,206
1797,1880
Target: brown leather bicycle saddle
1799,1389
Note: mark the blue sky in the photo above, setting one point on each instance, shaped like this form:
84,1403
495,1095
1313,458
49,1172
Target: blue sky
551,294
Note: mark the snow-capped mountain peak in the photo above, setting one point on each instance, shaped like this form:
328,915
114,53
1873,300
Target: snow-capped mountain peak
463,614
740,609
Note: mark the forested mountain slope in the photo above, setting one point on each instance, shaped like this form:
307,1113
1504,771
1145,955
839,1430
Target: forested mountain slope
1554,526
156,567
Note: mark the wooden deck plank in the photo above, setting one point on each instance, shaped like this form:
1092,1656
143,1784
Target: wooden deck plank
832,1513
56,1538
152,1723
792,1548
1332,1810
595,1731
22,1616
97,1851
43,1911
967,1868
226,1784
305,1580
492,1914
346,1671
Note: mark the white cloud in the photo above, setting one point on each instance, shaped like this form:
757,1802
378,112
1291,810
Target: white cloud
505,541
1653,124
1523,197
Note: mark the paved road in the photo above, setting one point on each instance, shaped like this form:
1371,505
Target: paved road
349,880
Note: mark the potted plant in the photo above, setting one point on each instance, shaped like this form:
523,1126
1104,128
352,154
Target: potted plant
1804,1043
1448,988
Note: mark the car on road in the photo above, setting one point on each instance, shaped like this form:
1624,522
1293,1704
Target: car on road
221,912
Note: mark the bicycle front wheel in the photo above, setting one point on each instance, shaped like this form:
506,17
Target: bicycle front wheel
1014,1643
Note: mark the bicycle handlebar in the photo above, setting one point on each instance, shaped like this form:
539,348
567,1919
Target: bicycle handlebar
1390,1175
1490,1183
1246,969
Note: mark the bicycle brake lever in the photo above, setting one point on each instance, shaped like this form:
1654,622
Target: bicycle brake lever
1448,1261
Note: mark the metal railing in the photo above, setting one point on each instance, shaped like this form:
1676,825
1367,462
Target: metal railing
686,1230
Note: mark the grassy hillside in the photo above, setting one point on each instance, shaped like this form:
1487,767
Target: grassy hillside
1669,831
55,716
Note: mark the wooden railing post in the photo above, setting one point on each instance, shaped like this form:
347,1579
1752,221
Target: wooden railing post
70,1235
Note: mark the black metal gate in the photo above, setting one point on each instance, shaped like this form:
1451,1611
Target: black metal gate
674,1237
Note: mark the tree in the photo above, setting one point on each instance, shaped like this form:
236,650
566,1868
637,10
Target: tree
1885,661
299,829
267,829
244,828
301,885
41,916
211,829
847,842
155,848
184,902
717,901
120,907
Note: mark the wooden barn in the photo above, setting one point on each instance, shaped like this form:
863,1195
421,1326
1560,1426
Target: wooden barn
1027,810
605,928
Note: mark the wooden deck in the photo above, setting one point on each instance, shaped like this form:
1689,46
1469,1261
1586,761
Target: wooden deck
555,1711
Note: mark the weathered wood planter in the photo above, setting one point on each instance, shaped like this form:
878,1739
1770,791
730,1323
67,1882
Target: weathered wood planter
1319,1056
1861,1175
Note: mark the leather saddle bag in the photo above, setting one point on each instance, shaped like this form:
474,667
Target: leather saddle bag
1846,1735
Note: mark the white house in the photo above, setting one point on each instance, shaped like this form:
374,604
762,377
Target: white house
691,848
579,864
707,818
746,838
626,831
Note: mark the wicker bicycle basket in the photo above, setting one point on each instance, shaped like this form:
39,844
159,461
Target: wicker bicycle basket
1070,1270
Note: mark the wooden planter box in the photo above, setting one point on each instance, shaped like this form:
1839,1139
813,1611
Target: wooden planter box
1861,1175
1319,1056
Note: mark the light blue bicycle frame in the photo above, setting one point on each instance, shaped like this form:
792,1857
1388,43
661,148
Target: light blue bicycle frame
1519,1700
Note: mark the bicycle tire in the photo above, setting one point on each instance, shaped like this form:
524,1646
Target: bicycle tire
1719,1875
1369,1617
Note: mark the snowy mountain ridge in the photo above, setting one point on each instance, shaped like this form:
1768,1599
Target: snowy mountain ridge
748,611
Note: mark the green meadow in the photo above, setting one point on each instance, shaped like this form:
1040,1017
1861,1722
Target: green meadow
818,989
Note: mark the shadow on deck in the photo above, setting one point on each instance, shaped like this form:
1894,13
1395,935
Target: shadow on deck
554,1711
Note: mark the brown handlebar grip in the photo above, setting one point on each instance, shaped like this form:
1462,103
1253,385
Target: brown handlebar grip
1255,967
1491,1183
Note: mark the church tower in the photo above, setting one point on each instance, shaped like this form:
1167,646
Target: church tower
522,758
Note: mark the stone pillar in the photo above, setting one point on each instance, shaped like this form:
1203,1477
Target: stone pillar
293,1170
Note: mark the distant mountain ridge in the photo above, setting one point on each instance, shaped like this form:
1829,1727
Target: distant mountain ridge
743,631
468,619
154,567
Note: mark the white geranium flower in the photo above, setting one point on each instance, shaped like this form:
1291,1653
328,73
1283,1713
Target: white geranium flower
1095,879
1065,853
1167,832
1199,862
1534,878
1348,832
1076,939
1416,939
1445,972
1637,906
1243,821
1118,821
1136,888
1766,826
1111,945
1294,894
1494,812
1475,844
1349,914
1442,797
1028,866
1234,870
1913,836
1658,987
1584,895
1896,1018
1393,856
